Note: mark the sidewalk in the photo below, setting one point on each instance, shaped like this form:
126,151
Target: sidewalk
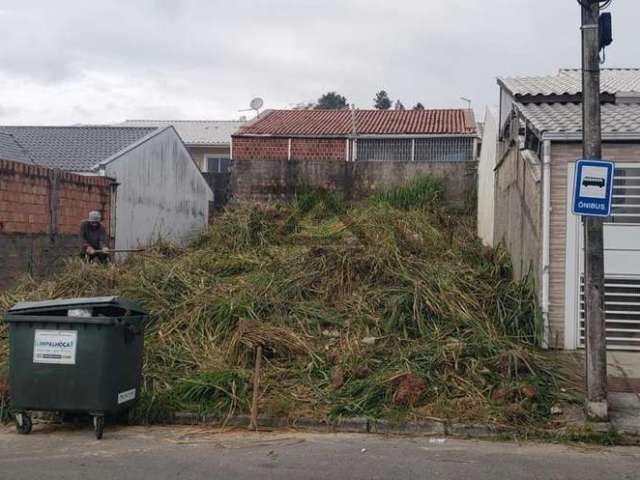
624,410
623,369
624,391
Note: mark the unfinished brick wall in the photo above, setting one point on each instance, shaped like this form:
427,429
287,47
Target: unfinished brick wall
272,148
245,148
319,149
40,215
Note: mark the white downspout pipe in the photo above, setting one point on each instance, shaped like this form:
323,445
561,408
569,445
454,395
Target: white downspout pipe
546,236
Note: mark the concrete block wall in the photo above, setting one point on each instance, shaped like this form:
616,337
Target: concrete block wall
40,215
518,214
268,180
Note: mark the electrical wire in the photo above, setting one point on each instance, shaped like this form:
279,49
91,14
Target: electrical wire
604,4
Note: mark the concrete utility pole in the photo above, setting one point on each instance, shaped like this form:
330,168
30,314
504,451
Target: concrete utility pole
596,348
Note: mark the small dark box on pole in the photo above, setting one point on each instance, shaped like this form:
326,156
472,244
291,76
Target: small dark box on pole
606,30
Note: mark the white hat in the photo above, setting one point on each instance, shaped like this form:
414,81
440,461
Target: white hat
94,216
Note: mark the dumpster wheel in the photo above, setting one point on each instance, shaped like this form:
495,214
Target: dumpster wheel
98,425
23,423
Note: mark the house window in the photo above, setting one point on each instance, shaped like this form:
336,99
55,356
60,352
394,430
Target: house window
384,150
436,149
218,164
444,149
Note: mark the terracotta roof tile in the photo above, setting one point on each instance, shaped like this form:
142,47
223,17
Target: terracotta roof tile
339,123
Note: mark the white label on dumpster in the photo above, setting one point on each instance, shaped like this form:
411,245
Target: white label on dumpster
55,346
126,396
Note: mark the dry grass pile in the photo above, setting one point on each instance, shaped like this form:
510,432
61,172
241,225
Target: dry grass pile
388,308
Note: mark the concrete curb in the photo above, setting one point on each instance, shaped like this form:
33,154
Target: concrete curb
367,425
350,425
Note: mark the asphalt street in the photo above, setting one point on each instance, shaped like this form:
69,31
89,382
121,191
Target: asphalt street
159,453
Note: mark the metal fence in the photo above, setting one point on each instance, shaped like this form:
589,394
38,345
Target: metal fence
436,149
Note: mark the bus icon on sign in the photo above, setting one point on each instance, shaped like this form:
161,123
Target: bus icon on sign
593,188
594,182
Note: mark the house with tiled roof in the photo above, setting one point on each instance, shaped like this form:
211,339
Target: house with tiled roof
359,136
353,152
538,133
208,141
161,193
10,149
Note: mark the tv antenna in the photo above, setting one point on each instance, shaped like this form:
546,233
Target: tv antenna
467,101
254,105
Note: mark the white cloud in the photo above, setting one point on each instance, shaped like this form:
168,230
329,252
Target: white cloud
74,61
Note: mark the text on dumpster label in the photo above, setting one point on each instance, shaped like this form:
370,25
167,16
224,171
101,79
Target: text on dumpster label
55,346
126,396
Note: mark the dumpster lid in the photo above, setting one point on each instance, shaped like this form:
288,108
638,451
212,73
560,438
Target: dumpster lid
58,304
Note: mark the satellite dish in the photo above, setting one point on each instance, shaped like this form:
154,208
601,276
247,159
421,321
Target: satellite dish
256,104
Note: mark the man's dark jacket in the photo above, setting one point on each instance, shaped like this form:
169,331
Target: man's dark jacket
93,237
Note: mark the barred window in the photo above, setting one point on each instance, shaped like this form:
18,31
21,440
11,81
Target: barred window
437,149
444,149
384,150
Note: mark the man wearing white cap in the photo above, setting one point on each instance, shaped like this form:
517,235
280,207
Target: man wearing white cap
94,239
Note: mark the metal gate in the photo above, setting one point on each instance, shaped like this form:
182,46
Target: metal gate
622,265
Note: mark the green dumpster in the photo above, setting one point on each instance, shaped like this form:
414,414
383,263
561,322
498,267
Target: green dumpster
81,355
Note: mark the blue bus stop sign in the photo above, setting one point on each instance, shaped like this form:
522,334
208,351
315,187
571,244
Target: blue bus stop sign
593,188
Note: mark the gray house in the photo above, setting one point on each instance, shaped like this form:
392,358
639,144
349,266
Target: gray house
161,193
208,141
10,149
539,135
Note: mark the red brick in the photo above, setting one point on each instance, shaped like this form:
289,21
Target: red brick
24,199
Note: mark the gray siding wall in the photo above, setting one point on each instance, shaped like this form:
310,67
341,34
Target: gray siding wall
162,194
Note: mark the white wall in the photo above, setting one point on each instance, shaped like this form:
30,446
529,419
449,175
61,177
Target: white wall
486,178
161,193
506,106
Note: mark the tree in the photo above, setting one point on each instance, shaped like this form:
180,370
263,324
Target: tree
331,101
418,106
398,105
382,101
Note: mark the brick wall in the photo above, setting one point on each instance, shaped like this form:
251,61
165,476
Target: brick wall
319,149
260,180
40,214
270,148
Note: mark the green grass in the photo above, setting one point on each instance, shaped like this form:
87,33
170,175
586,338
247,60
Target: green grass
424,192
310,281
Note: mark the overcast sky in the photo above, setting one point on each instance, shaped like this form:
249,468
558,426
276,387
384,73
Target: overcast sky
87,61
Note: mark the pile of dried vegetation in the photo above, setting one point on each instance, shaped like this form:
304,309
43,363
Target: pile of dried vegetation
387,308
